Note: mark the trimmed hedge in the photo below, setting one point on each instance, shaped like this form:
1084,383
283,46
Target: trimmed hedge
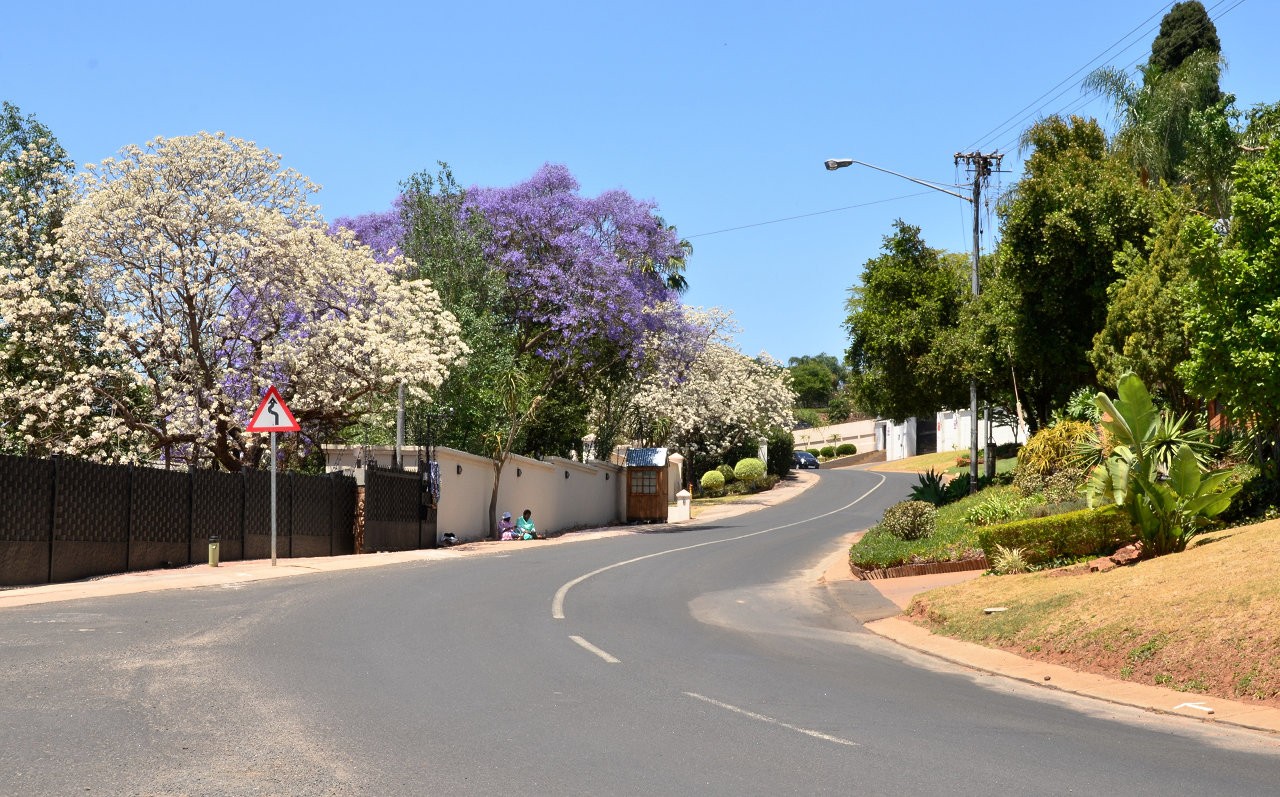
846,449
1082,533
827,452
749,470
712,480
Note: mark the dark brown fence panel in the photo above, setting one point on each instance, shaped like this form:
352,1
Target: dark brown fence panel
257,515
217,510
66,519
392,517
310,501
91,523
160,519
342,515
26,524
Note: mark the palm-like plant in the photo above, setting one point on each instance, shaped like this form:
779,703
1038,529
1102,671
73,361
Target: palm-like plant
1154,472
1169,128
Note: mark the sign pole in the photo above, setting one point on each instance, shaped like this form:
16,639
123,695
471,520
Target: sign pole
273,416
273,499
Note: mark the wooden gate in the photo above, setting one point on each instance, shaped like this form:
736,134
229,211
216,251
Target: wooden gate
647,484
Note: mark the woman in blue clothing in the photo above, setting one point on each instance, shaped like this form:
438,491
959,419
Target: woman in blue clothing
525,526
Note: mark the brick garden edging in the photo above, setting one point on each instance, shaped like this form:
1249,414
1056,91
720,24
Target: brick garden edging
928,568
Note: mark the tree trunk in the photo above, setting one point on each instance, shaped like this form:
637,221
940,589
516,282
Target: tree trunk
493,497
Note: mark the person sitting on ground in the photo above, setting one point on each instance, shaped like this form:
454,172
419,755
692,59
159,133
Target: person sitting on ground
507,529
524,526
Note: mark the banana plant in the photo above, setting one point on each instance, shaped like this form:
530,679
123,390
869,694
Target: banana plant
1154,472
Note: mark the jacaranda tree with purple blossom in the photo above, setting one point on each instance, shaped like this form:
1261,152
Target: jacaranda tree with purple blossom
586,290
561,298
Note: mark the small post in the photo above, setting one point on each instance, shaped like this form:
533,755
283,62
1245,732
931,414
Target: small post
213,552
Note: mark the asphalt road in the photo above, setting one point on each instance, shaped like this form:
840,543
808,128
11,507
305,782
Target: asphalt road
703,661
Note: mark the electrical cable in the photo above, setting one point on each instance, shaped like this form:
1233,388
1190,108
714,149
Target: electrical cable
807,215
1000,128
1088,98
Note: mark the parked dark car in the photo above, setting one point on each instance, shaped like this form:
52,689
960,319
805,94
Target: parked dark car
803,459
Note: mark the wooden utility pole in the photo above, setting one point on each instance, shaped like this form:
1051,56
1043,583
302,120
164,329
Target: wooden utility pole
982,166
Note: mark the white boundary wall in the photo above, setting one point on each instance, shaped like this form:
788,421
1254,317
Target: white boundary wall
953,431
592,493
860,433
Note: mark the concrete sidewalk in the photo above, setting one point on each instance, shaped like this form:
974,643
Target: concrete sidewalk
877,604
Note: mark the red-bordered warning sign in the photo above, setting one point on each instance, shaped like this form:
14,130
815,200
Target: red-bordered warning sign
273,415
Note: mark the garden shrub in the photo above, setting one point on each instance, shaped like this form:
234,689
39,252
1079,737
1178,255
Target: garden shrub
815,451
996,507
727,472
846,450
781,443
930,488
1258,494
1047,452
1087,532
712,481
1007,450
1058,508
1009,561
827,452
749,470
1064,485
910,520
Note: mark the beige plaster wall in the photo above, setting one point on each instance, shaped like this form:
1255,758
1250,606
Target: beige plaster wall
593,494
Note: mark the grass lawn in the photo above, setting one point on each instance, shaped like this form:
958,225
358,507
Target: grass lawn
953,540
1206,620
941,461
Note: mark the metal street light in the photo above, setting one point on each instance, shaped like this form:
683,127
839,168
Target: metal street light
983,170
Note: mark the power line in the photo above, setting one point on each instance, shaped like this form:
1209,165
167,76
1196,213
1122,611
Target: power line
1000,128
807,215
1086,99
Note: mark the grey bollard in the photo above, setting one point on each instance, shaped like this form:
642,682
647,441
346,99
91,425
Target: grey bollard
213,552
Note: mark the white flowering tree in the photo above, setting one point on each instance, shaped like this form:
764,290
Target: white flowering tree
209,276
723,400
46,398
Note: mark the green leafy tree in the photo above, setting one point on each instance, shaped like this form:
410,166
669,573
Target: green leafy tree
813,382
1145,330
447,244
1061,227
1233,312
1184,31
907,297
1176,125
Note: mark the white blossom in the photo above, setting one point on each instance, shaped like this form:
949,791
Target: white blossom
196,273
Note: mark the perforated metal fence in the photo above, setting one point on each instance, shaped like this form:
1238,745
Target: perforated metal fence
64,519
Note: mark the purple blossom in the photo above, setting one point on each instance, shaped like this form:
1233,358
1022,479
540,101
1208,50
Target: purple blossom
382,232
580,271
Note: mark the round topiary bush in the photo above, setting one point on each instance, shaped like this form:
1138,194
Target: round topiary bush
910,520
712,481
846,450
827,452
749,469
727,472
816,452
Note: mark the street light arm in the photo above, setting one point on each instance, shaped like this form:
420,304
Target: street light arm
840,163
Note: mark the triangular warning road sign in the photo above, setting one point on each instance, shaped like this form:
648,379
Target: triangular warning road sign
273,415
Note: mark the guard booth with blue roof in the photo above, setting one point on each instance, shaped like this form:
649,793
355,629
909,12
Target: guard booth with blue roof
647,485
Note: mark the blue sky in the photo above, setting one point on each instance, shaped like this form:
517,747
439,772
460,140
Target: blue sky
722,113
